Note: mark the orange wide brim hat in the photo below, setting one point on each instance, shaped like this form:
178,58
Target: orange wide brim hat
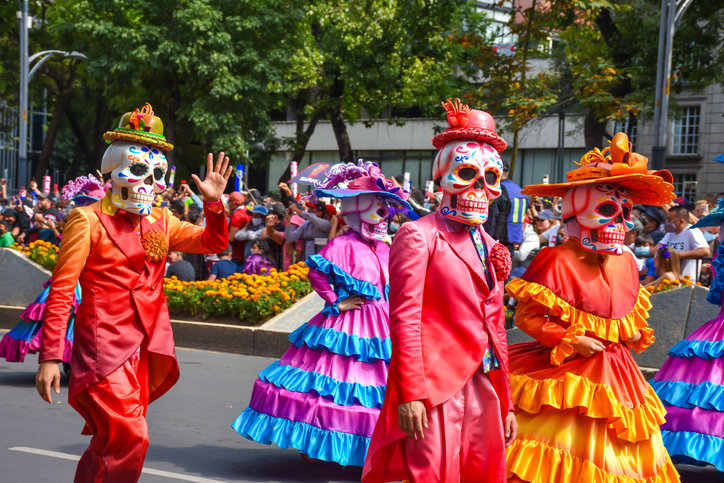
619,166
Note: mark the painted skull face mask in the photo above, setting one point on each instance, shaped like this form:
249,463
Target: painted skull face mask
138,172
469,173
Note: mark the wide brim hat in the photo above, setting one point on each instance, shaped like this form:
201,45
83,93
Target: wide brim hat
142,127
350,193
466,123
621,167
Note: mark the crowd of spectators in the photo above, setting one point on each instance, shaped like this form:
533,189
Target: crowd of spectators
278,229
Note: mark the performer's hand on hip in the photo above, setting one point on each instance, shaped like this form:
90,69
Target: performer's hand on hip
48,375
352,303
510,428
412,418
588,346
213,186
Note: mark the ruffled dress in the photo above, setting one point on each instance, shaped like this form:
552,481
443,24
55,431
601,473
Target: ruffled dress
691,385
25,337
324,396
583,419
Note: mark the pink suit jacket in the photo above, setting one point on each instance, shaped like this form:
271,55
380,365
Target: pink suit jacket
443,315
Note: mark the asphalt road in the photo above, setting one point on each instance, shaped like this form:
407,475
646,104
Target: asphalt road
191,437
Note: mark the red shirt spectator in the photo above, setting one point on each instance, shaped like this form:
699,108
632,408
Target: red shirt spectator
239,219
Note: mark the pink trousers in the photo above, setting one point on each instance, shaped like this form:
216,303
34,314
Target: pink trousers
117,406
464,441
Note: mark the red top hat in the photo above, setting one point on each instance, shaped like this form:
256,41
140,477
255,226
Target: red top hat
466,123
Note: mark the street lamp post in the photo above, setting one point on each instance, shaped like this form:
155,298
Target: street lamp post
670,19
25,78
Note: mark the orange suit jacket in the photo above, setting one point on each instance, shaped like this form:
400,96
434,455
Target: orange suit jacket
443,315
123,304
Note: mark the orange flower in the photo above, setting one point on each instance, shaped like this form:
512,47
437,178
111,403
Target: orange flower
155,245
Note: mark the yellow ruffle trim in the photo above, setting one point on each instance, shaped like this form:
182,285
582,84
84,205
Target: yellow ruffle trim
592,400
538,463
565,348
612,330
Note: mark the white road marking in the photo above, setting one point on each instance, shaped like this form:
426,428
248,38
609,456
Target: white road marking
147,471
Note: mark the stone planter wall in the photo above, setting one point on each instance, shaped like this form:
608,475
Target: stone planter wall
21,279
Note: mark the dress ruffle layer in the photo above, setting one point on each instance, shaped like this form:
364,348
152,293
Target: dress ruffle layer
344,448
693,448
706,395
366,349
612,330
704,349
592,400
538,463
341,392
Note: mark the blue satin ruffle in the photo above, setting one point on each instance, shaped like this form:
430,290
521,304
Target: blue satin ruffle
344,284
366,349
341,392
24,331
705,349
683,445
706,395
343,448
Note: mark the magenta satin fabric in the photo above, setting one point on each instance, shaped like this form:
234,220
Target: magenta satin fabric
312,409
696,419
712,330
693,370
338,367
372,320
464,439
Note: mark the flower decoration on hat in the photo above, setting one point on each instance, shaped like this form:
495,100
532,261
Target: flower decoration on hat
140,126
615,165
471,124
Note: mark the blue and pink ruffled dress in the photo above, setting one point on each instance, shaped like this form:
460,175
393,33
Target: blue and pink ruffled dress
691,386
24,338
324,396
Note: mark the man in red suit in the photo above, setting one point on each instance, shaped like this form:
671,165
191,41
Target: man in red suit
447,415
123,354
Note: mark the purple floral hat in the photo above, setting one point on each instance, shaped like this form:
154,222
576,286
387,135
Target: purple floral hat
83,189
348,180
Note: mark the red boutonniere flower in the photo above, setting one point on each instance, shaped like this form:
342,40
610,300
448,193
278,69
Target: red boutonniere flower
500,258
155,245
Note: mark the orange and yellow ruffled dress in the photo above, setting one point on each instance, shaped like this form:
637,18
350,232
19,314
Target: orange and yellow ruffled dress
583,419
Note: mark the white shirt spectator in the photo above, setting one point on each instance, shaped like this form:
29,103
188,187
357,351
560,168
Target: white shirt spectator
528,248
688,239
640,262
551,234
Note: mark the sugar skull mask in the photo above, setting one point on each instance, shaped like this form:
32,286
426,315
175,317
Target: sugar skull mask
603,212
138,172
367,214
469,174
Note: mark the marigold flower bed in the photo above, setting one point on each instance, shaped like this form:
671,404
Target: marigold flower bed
41,252
251,298
667,285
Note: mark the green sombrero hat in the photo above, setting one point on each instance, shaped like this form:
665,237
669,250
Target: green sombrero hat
142,127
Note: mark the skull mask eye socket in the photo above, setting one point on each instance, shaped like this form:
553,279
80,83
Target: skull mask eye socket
158,174
607,209
467,174
138,169
491,178
626,211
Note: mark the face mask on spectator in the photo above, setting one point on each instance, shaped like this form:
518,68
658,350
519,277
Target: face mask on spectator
256,221
642,252
669,227
709,237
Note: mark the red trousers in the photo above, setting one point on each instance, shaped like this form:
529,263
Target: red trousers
117,407
464,440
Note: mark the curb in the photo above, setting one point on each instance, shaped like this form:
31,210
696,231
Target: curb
249,341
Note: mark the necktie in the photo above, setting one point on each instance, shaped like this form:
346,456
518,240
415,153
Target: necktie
482,252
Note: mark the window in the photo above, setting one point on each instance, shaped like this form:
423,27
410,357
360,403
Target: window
623,125
686,131
685,186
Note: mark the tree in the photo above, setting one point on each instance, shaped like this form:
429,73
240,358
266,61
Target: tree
375,57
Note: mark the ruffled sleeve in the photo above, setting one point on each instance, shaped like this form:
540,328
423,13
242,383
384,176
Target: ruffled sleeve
612,330
343,283
565,348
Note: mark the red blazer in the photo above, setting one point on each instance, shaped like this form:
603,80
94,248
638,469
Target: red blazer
442,317
123,302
